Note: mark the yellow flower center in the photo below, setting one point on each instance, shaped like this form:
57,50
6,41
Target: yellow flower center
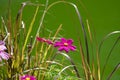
27,78
65,44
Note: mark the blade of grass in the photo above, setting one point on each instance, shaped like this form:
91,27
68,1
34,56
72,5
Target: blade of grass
54,62
91,41
98,65
29,31
83,60
89,31
7,33
108,56
115,69
3,22
9,16
74,66
32,22
106,37
19,18
41,22
56,77
39,28
101,43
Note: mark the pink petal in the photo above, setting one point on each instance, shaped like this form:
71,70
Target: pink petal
4,55
2,43
64,48
63,40
27,76
2,48
49,42
73,48
38,38
69,41
57,44
41,39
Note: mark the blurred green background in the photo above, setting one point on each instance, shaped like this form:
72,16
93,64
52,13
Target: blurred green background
103,17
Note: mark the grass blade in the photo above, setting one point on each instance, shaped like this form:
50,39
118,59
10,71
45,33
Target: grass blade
116,68
56,77
83,61
74,66
107,36
104,66
41,22
29,31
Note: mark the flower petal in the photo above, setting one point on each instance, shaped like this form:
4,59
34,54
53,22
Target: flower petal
49,42
41,39
63,40
57,44
4,55
2,47
2,43
73,48
27,76
69,41
66,49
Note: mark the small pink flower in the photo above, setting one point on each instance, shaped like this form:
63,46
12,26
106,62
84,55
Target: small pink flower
65,45
3,55
27,77
44,40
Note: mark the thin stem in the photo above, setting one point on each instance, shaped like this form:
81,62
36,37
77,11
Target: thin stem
8,34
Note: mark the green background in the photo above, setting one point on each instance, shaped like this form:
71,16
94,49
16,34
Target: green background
103,17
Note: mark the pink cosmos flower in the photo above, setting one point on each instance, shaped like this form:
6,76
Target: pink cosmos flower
44,40
27,77
3,55
65,45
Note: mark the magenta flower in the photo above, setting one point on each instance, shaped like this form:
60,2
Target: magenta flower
3,55
44,40
65,45
27,77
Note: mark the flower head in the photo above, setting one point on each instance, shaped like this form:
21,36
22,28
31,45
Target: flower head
65,45
27,77
3,55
